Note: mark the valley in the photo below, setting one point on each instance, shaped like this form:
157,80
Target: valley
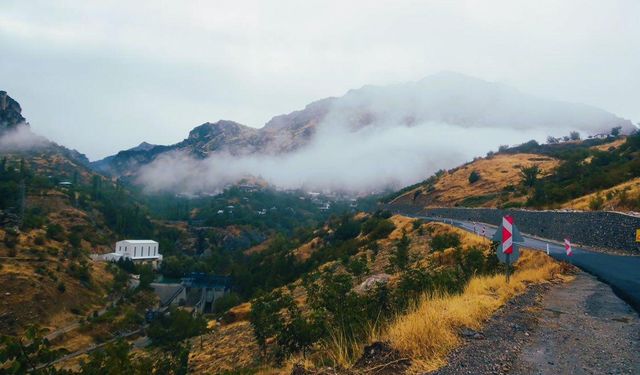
303,278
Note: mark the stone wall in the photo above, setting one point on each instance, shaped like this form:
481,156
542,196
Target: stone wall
596,229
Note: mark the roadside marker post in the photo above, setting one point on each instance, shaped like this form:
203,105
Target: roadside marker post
567,248
508,236
547,249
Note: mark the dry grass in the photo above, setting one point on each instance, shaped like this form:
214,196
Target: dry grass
495,174
229,347
429,332
304,251
615,144
631,188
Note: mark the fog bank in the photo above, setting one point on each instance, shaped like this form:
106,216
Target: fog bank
20,138
367,159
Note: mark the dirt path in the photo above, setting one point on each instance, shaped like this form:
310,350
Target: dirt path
583,328
579,327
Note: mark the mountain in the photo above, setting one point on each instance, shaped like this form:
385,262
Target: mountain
446,97
10,113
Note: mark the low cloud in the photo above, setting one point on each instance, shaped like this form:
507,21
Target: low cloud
338,158
20,138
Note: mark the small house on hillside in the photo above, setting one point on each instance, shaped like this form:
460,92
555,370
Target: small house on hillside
139,251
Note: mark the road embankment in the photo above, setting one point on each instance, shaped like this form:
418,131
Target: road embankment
599,229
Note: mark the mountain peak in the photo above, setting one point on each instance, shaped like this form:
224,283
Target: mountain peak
144,146
10,112
210,130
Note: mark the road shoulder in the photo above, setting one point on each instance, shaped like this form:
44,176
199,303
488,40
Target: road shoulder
579,327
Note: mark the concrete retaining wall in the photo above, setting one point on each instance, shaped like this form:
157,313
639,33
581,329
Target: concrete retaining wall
596,229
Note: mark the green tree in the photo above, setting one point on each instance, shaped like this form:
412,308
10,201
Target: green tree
265,318
574,136
358,267
596,203
146,276
55,232
444,241
529,175
400,257
226,302
30,354
115,359
474,176
174,327
615,132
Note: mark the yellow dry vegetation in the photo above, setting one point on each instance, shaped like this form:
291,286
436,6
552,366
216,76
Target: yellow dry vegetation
228,347
238,313
304,251
31,294
430,331
608,146
426,334
262,246
613,198
496,173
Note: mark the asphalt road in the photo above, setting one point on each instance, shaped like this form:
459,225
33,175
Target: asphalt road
621,272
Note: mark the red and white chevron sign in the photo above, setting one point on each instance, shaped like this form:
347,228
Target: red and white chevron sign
507,234
567,247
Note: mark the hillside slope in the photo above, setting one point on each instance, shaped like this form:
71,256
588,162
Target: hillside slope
46,274
592,174
497,178
367,283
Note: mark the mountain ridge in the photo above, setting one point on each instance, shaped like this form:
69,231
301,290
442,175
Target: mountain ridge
446,97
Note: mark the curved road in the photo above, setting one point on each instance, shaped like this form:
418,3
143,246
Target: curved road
621,272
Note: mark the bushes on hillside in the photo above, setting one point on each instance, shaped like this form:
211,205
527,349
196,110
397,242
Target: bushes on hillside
474,176
348,228
174,327
596,203
377,227
55,232
337,313
226,302
400,257
80,271
444,241
529,175
277,315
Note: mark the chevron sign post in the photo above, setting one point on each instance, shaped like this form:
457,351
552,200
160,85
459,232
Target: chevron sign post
507,235
508,238
567,247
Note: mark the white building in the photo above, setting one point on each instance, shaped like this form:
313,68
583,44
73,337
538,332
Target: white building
141,251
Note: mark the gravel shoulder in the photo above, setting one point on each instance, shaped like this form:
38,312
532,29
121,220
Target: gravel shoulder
579,327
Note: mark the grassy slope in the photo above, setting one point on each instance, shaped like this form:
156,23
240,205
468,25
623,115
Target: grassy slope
232,346
429,332
612,198
31,280
496,173
32,272
501,170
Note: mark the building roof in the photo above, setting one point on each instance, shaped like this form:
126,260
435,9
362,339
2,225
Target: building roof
138,241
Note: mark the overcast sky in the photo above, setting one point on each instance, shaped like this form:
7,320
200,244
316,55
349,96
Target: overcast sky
104,76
